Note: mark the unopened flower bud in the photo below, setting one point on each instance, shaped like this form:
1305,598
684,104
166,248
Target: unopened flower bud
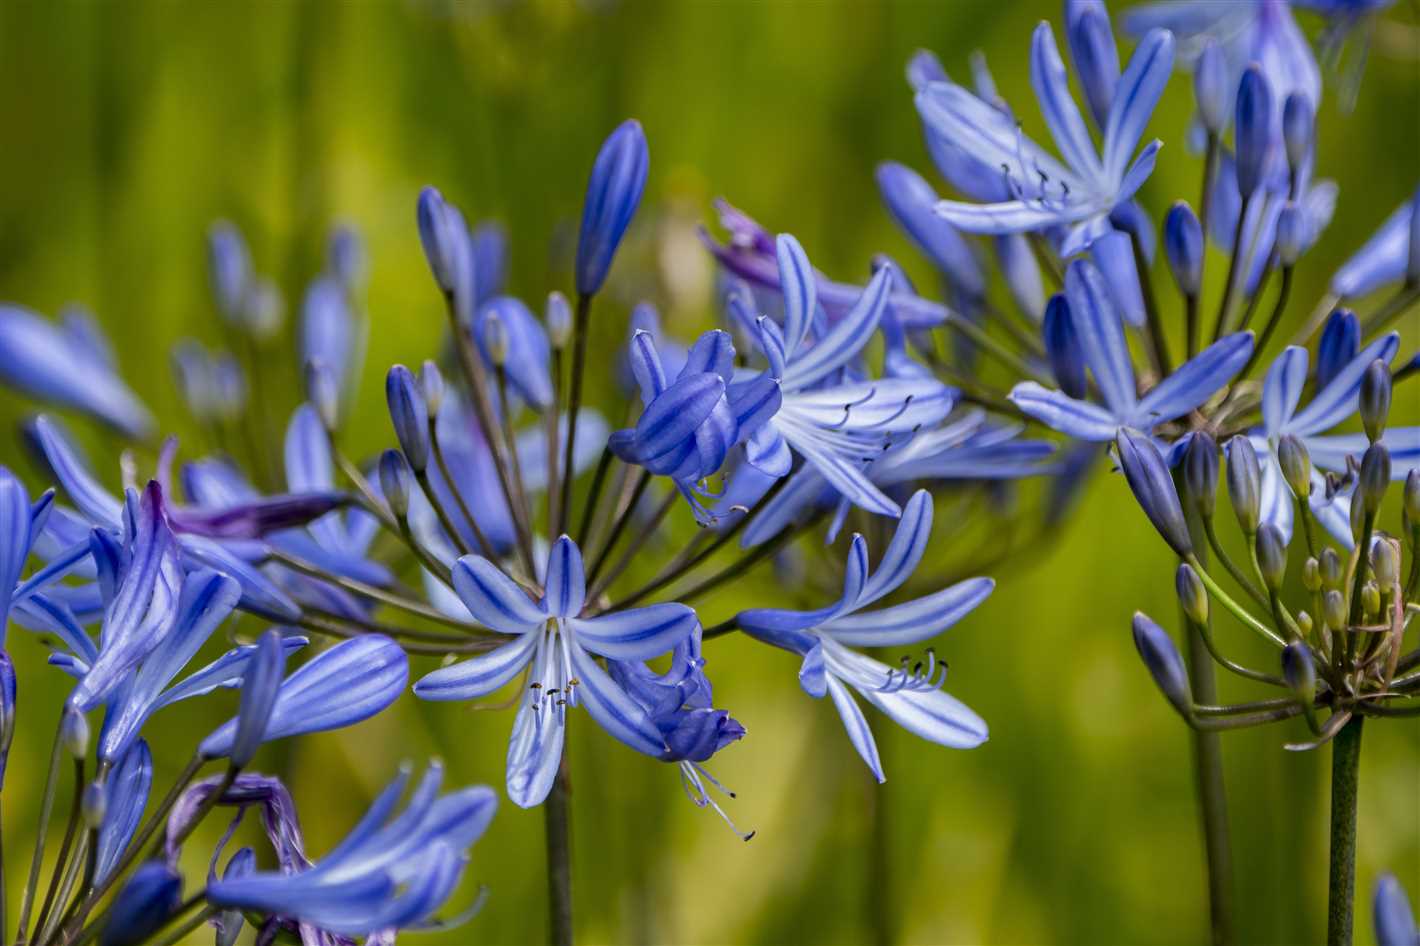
1162,659
1333,610
1411,497
7,709
1183,245
1375,477
1370,599
323,391
395,482
1298,129
1200,473
1062,347
1244,483
495,339
93,805
1375,399
263,311
559,320
1210,87
1271,555
261,684
1304,623
431,383
613,194
1153,487
444,237
409,415
1384,565
1291,234
1252,129
1331,571
1311,574
1096,59
143,905
1340,340
1192,596
1299,671
1296,464
74,733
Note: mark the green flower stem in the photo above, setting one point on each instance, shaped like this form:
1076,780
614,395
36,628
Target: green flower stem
1238,611
557,818
1345,772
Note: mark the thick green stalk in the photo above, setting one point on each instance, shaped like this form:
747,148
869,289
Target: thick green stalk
557,817
1345,772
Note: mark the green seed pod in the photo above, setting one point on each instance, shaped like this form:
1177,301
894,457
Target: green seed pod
1305,623
1384,565
1370,599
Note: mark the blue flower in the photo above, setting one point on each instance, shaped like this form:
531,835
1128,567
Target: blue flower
1085,188
556,647
391,872
1384,257
613,193
68,366
352,681
824,638
1102,345
1329,407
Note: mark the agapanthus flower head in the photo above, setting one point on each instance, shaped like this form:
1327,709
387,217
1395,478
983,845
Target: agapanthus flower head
910,695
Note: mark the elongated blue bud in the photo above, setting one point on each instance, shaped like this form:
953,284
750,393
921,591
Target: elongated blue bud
613,193
1311,575
323,391
143,905
1395,923
1210,88
93,805
1244,483
1160,655
911,200
1299,671
431,384
74,733
8,691
1153,487
410,416
1062,345
1291,234
444,237
1296,464
559,320
1192,596
1375,399
1096,60
1252,129
396,481
1340,340
1200,473
260,686
1183,246
230,267
1271,555
1298,129
347,260
1375,477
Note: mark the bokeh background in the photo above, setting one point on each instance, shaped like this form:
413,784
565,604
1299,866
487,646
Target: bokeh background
130,128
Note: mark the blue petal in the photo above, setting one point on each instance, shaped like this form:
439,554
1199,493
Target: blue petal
128,786
1008,216
933,715
844,475
1101,335
481,675
535,750
798,285
15,532
767,452
859,732
97,504
1381,260
1059,411
845,339
712,353
639,634
1195,381
1114,255
1340,340
612,707
913,621
646,366
813,674
566,581
1282,389
529,351
904,552
493,598
1062,116
1135,97
1339,399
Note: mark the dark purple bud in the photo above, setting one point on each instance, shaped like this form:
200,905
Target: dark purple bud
1062,345
695,735
1252,129
1183,246
1192,596
1096,59
1271,555
1375,477
1210,87
1153,487
1160,655
260,686
143,905
613,193
396,482
230,268
1340,340
911,200
258,517
410,416
1299,671
1375,399
7,709
1244,483
1200,473
1395,924
1296,465
1298,129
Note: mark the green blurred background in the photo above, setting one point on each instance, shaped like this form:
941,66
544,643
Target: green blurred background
132,127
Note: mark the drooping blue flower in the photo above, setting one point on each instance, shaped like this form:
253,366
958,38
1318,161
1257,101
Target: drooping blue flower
557,647
352,681
911,697
1100,331
613,193
61,365
1329,407
1385,256
1043,192
393,871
